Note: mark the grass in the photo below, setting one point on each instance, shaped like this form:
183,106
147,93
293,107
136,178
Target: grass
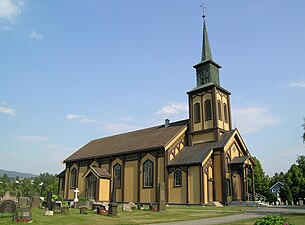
296,219
176,213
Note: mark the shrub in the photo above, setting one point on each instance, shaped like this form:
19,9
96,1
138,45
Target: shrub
272,220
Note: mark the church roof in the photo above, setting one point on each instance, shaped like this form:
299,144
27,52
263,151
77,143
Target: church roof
140,140
196,154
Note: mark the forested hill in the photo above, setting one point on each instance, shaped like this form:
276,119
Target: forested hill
14,174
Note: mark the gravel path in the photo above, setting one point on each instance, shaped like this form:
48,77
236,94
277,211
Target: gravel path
257,212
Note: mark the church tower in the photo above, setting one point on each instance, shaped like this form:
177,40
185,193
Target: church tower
209,103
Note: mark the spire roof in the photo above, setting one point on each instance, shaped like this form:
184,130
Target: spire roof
206,49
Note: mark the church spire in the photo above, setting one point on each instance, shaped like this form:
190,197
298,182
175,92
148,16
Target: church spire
206,49
207,71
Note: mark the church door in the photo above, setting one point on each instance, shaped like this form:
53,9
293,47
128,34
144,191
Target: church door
91,186
236,182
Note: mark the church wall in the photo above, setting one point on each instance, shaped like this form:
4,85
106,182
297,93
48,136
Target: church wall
217,177
148,194
177,195
131,181
194,185
104,190
161,169
105,166
118,190
81,181
203,137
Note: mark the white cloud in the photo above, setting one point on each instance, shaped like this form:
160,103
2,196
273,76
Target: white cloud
9,10
79,119
31,139
7,110
33,34
6,28
253,119
296,84
173,109
72,116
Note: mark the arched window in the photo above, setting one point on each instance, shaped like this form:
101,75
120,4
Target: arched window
225,110
73,183
197,112
219,110
178,178
148,174
208,110
117,173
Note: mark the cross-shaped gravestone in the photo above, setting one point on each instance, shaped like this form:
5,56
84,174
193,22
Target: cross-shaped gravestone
76,191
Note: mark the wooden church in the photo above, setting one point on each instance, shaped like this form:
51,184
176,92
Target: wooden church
200,159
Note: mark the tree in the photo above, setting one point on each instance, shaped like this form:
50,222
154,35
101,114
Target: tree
260,179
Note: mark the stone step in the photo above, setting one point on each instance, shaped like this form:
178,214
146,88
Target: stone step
217,204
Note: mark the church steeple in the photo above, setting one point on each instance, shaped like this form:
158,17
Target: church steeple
209,103
207,70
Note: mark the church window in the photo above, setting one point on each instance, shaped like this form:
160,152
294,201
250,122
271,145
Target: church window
73,178
225,109
148,174
63,184
219,110
117,174
197,112
208,110
178,178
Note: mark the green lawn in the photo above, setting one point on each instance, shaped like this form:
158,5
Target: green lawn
176,213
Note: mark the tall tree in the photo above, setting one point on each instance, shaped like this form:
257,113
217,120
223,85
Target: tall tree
260,179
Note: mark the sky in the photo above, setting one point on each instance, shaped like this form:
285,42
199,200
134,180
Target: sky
72,71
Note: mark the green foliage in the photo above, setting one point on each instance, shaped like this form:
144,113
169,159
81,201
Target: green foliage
38,186
294,180
56,198
83,199
272,220
260,179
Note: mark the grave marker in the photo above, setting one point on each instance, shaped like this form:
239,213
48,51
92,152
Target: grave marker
8,206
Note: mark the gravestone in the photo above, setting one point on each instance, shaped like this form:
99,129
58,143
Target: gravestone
49,200
7,196
23,202
161,204
113,206
128,206
64,210
35,202
8,207
83,210
22,214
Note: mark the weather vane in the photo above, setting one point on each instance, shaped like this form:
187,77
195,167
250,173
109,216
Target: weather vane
203,7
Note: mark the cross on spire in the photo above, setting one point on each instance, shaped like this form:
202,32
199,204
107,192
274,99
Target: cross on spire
203,8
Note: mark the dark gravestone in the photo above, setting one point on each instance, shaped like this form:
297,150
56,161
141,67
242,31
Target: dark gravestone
161,206
23,202
35,202
8,206
49,200
113,205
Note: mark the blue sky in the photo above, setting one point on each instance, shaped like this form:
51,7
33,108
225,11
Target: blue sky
73,71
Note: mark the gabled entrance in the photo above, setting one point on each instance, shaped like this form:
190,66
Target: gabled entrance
97,184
